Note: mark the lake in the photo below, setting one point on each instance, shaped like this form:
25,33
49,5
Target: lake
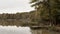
14,30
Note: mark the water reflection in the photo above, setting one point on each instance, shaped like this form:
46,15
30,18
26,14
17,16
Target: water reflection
14,30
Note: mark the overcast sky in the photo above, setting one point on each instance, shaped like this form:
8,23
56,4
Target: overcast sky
13,6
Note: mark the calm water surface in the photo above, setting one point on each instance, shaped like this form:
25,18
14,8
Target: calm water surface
14,30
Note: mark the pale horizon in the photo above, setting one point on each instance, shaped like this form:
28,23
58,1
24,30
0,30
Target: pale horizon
14,6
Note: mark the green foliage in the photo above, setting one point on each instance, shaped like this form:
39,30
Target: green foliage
49,10
44,11
33,1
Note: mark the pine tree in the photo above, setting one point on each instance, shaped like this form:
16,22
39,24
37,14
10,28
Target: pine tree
49,10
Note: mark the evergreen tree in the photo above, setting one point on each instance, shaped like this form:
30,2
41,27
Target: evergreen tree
49,10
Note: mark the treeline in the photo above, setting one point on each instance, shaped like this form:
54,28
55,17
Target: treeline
49,10
14,16
20,19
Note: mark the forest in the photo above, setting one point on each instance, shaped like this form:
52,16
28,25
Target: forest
46,12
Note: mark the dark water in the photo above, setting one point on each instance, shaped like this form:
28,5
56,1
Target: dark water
14,30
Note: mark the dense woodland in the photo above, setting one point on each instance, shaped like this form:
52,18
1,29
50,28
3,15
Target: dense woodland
46,12
49,10
25,18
